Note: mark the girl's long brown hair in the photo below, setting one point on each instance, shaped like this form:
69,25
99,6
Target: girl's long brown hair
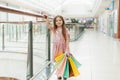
63,26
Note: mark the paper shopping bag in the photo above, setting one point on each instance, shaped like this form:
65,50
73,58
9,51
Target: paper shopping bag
70,71
75,61
59,56
60,70
59,63
73,67
66,71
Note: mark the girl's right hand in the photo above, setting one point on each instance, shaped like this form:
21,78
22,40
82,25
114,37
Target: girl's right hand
45,16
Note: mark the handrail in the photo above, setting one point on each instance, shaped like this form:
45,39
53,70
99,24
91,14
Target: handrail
18,11
10,22
22,22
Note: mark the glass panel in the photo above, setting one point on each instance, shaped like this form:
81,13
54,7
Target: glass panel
75,30
39,45
13,50
14,47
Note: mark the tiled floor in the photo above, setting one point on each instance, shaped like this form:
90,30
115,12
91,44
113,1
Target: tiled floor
99,56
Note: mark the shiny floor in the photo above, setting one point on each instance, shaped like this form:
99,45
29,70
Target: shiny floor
99,55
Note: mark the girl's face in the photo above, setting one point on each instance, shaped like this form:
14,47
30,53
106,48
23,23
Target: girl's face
59,22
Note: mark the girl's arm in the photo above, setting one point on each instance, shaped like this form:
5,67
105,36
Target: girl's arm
48,23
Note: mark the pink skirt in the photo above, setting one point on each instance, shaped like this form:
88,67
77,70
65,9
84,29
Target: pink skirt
57,47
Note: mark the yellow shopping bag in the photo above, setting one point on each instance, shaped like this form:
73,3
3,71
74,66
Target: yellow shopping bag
71,74
73,67
59,63
59,57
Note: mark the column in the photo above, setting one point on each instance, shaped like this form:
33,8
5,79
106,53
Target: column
119,20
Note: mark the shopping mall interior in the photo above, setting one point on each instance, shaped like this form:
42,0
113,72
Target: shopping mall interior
26,42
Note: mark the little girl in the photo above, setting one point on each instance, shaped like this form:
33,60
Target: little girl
61,37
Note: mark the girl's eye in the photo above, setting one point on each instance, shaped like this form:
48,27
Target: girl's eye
58,20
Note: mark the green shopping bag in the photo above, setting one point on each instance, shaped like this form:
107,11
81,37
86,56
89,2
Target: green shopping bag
75,61
66,71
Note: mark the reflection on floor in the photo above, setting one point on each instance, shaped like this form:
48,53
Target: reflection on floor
99,55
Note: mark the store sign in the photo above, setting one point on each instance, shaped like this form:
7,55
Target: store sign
111,6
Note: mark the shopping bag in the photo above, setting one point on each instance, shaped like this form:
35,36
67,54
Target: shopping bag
60,70
59,63
73,67
75,61
70,70
66,71
59,56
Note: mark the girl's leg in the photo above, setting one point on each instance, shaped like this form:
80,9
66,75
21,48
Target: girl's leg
65,78
59,78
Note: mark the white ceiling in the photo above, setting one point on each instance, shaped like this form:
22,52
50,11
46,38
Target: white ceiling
70,8
79,7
